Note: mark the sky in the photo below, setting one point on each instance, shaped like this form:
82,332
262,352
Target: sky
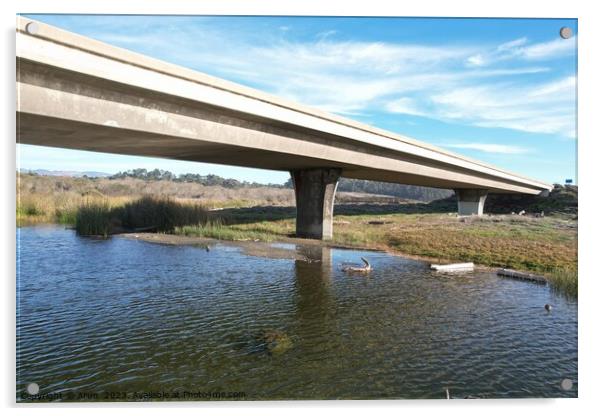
498,90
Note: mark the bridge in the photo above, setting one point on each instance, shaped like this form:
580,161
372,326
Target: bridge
75,92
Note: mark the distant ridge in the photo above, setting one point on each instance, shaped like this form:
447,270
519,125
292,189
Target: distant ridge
70,173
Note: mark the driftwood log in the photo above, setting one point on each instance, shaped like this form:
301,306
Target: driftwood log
456,267
358,269
522,276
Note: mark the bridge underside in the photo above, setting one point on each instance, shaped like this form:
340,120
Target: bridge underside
63,108
55,132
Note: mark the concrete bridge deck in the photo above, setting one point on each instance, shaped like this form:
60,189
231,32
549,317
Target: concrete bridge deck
78,93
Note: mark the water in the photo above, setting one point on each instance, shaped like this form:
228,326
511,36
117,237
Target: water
127,320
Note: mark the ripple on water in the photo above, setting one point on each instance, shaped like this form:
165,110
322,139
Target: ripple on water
122,315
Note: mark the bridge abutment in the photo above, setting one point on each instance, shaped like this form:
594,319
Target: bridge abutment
471,201
314,193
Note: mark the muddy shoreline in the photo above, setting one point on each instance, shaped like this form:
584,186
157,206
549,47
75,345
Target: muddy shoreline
267,250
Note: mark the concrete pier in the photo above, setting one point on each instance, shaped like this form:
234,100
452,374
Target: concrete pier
314,193
471,201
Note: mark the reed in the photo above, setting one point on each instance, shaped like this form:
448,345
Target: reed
94,219
159,213
565,281
165,214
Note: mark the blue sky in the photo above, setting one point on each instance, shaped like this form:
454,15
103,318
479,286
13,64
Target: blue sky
498,90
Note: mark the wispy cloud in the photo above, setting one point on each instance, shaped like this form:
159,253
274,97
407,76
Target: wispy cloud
547,50
490,148
540,108
404,105
513,44
521,50
476,60
476,84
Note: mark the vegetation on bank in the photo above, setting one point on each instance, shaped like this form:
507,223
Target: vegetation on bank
55,199
58,209
541,245
147,213
94,219
565,281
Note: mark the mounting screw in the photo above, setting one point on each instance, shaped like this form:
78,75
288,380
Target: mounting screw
32,28
566,32
566,384
33,388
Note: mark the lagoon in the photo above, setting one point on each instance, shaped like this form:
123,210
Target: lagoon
121,319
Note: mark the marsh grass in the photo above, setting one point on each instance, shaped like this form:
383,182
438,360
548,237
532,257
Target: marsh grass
217,228
60,208
94,219
161,214
565,281
165,214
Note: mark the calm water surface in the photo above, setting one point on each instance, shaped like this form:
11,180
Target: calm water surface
122,318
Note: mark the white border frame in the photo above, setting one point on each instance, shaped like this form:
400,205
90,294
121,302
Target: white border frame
590,33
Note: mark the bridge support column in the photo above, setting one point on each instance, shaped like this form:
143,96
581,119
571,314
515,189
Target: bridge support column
471,201
314,193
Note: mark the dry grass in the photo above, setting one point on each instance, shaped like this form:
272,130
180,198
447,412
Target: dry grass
50,199
524,243
58,208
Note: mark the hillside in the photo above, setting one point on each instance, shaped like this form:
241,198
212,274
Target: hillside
355,186
67,188
417,193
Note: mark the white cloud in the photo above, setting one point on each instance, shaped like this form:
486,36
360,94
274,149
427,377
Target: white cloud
490,148
511,45
520,50
475,84
560,89
476,60
326,34
553,49
404,105
543,108
343,77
